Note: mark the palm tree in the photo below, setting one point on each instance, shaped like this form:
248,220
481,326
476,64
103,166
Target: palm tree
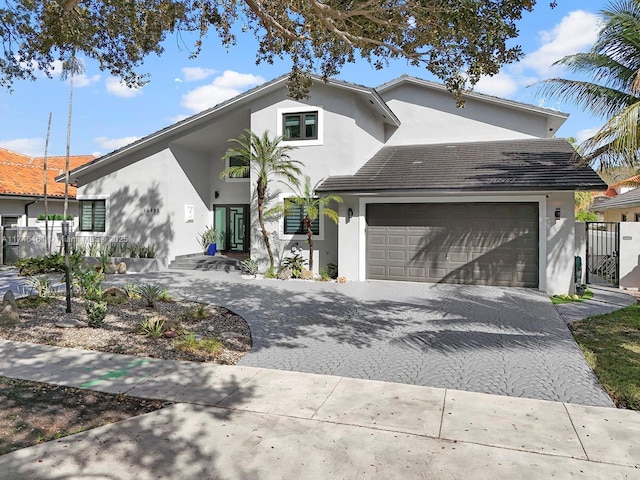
313,206
268,159
613,64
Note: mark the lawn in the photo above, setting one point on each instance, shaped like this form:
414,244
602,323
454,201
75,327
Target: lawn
611,345
560,299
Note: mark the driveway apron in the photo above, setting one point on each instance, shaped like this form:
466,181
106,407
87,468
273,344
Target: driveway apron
505,341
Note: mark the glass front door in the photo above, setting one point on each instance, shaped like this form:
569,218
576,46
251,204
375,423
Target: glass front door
232,224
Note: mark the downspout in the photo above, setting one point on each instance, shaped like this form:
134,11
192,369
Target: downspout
26,211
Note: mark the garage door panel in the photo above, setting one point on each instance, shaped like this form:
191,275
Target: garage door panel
478,243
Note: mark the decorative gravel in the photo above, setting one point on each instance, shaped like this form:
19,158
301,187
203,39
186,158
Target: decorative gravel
119,333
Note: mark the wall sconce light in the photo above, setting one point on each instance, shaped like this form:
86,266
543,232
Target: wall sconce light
216,194
557,214
350,213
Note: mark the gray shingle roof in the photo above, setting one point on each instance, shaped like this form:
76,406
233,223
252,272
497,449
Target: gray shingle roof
530,164
627,199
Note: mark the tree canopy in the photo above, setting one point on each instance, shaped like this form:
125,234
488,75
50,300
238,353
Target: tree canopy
457,40
613,89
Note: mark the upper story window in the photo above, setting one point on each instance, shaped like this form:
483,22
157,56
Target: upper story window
237,162
300,126
93,215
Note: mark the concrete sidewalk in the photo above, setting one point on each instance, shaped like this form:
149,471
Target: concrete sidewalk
251,423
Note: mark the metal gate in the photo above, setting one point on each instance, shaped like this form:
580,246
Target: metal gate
603,247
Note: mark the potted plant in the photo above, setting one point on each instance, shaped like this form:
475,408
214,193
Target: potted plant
208,240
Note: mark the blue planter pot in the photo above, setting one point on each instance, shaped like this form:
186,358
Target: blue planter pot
211,249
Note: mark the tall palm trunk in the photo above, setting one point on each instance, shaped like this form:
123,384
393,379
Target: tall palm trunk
47,240
265,235
307,224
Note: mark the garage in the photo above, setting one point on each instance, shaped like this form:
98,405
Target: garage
464,243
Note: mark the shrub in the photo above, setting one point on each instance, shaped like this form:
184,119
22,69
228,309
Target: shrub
150,292
47,264
199,312
270,273
90,283
332,270
249,266
96,313
41,285
153,327
296,264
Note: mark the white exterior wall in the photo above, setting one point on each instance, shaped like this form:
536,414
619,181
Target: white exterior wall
560,238
430,116
350,136
146,200
630,255
13,207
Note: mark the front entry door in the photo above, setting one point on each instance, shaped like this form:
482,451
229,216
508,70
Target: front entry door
232,224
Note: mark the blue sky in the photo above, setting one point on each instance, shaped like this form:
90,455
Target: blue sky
107,115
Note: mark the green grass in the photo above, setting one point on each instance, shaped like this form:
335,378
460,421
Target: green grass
189,343
611,345
560,299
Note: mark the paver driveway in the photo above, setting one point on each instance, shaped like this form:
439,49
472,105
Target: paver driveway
505,341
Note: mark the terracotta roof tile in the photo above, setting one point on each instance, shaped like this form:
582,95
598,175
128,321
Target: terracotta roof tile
23,175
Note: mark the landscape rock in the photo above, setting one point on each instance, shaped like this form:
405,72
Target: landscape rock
285,274
9,299
9,316
110,268
114,292
170,334
121,268
306,274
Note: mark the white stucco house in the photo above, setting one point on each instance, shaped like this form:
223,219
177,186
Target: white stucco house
481,194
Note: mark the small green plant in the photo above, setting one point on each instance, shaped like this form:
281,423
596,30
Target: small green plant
271,273
165,296
199,312
153,327
209,236
332,270
90,283
96,313
324,275
41,285
150,292
192,344
130,290
296,264
249,266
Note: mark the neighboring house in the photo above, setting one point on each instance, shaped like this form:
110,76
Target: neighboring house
479,195
22,187
622,208
22,202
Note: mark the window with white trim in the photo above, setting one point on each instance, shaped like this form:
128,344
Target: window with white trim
93,215
237,162
294,220
300,126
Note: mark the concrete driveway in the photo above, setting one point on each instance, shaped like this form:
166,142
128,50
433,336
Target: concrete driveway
504,341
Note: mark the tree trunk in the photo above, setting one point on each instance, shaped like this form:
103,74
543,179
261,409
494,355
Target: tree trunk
265,235
307,224
47,240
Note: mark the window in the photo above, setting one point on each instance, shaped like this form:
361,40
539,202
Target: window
10,220
637,217
623,217
237,162
293,220
93,215
300,126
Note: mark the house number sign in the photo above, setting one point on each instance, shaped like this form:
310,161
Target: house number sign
151,210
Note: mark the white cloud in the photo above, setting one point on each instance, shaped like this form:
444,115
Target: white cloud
192,74
582,135
83,80
33,147
114,143
575,33
500,85
222,88
117,87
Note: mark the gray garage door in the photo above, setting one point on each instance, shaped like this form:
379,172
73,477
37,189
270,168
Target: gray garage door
470,243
